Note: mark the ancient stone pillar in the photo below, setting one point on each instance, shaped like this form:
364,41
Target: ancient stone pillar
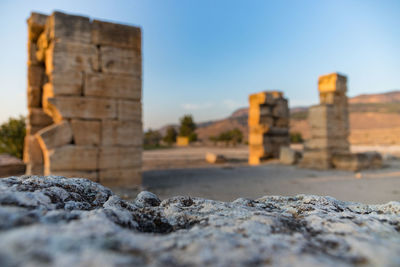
37,119
329,123
87,86
268,125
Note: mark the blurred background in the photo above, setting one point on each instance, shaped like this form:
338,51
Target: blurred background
201,60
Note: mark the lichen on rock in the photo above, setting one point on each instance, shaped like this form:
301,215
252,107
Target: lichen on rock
56,221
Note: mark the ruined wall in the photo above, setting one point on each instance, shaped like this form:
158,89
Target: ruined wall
268,125
84,99
329,123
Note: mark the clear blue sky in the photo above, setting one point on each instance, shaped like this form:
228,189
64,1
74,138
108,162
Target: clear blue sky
205,57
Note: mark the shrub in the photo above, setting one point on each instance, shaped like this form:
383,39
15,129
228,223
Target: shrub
12,134
188,127
152,138
296,137
170,136
234,136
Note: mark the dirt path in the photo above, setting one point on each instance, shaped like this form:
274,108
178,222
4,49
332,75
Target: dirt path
184,172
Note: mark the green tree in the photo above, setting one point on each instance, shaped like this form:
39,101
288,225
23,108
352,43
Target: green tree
193,137
188,127
170,136
296,137
12,134
234,136
152,138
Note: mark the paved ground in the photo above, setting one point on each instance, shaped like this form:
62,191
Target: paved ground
173,172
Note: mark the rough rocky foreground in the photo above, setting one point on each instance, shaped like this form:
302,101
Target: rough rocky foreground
75,222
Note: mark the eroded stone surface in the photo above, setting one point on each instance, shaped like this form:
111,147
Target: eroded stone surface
56,221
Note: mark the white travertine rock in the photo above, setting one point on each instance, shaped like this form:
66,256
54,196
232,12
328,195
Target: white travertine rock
55,221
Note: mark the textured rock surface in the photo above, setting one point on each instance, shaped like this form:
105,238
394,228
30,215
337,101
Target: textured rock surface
55,221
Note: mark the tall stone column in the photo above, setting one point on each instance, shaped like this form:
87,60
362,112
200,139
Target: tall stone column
90,90
268,125
329,123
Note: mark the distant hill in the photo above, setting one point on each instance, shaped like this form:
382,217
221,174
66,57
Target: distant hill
374,119
389,97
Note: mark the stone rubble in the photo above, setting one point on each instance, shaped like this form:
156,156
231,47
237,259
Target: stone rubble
57,221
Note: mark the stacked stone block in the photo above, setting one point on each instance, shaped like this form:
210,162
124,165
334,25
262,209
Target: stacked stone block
329,123
37,119
268,125
90,91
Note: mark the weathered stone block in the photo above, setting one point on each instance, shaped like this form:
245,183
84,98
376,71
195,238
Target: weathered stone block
129,110
127,177
267,121
66,56
263,98
262,151
32,151
64,107
121,133
105,33
70,157
37,117
260,115
259,129
338,98
121,60
256,139
32,49
41,46
357,161
265,129
86,132
35,75
281,109
323,117
215,158
332,82
318,159
36,24
64,27
65,83
114,157
34,97
327,143
33,129
289,156
34,169
113,85
55,135
281,123
254,160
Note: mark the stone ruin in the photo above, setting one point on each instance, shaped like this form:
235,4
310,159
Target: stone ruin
328,146
329,124
84,99
268,125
